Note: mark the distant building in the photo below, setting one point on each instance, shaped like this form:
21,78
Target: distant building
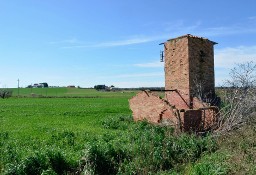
71,86
38,85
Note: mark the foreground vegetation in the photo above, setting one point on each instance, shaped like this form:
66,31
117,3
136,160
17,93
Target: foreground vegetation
96,135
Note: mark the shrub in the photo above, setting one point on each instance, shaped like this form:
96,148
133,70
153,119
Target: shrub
58,163
239,99
50,161
121,122
5,93
144,149
212,164
67,138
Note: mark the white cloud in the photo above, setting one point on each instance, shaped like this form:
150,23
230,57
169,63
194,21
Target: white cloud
126,42
150,64
221,75
67,41
169,29
175,28
226,30
252,17
228,57
180,28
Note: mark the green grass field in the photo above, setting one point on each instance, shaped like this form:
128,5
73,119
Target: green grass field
95,133
32,124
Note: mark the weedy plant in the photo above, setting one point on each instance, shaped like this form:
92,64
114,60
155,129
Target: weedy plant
54,161
142,149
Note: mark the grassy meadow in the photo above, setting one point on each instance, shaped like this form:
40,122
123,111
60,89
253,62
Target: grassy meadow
94,134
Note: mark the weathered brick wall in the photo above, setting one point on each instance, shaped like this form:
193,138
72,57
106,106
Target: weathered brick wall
209,117
177,65
199,119
178,99
197,104
189,61
146,105
176,72
201,64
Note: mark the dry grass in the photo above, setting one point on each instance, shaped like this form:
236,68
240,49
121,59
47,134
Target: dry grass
241,146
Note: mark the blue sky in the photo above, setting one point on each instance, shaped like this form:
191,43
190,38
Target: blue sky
114,42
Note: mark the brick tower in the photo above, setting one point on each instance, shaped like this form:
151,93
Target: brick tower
189,68
189,88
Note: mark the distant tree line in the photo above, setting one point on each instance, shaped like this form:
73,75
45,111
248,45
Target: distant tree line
39,85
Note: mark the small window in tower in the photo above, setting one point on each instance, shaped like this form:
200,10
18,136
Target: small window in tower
202,56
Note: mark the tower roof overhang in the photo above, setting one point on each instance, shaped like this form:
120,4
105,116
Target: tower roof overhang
190,36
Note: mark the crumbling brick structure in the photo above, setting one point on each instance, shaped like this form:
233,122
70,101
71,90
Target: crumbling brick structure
189,87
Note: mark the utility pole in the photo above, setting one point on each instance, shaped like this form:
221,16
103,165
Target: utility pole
18,87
